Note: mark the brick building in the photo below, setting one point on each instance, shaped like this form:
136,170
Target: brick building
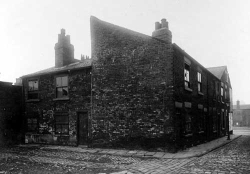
10,113
135,91
241,115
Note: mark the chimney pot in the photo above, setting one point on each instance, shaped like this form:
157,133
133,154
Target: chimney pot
63,31
164,23
157,25
238,104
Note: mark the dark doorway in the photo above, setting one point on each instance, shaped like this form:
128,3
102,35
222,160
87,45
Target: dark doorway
82,128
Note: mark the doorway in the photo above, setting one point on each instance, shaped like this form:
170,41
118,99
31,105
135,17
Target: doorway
82,118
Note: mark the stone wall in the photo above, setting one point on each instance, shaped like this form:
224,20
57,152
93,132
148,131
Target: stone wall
206,104
132,88
45,108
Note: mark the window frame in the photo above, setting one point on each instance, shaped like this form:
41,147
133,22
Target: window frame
201,119
186,72
33,91
34,115
61,87
61,123
222,91
199,81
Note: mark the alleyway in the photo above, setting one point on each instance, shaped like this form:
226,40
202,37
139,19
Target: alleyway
232,158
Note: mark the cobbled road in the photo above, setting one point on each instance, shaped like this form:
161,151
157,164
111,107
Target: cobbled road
232,158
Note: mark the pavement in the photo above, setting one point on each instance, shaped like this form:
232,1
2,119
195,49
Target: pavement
195,151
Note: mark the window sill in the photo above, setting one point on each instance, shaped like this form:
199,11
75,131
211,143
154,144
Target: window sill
32,100
201,132
61,135
200,93
188,89
61,99
188,135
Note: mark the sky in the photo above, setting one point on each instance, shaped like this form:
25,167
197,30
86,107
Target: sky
214,32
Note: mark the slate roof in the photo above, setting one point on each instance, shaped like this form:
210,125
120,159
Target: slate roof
72,66
243,107
217,71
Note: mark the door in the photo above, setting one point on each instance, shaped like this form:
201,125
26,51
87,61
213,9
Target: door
82,128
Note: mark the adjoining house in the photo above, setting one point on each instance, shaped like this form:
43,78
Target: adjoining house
135,91
241,115
10,113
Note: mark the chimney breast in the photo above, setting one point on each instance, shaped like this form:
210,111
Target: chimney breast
64,51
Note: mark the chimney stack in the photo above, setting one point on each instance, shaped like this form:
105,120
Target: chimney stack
64,50
238,104
162,31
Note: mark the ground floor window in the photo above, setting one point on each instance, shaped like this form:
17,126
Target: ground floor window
32,124
214,113
62,123
201,119
32,121
223,119
187,121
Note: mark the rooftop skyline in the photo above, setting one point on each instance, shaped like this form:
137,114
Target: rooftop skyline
215,33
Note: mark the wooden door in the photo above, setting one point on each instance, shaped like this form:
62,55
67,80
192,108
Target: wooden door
82,128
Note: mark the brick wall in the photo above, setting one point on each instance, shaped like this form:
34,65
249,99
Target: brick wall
46,106
132,88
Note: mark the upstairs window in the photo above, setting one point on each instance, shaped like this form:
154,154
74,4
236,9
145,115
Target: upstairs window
33,89
62,90
222,91
226,96
186,75
199,82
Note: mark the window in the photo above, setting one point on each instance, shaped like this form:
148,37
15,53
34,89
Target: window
225,91
223,119
188,127
214,120
201,120
62,123
186,75
32,124
62,87
222,91
32,121
199,82
33,89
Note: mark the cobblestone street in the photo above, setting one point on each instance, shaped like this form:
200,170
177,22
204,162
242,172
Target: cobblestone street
232,158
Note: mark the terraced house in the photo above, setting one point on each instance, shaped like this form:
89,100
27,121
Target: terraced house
135,91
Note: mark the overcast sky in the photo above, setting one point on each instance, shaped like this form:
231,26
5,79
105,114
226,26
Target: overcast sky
214,32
